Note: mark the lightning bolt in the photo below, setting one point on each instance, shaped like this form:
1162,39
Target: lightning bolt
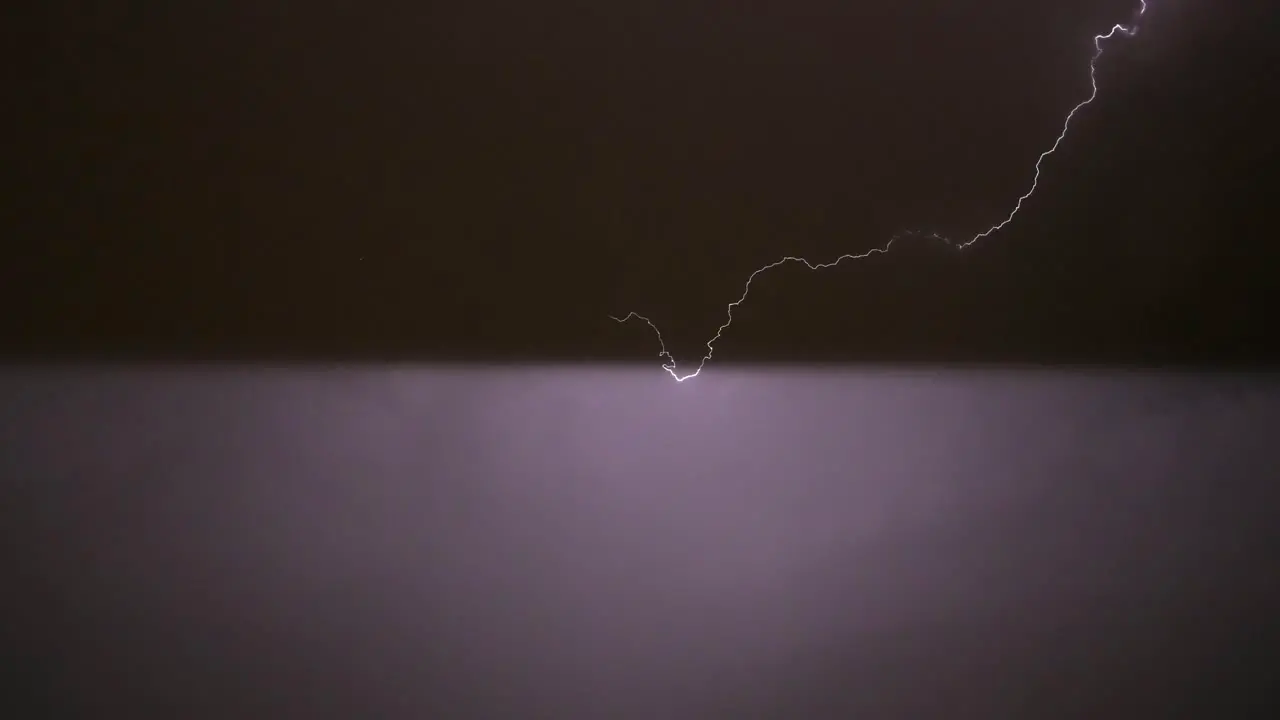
1128,30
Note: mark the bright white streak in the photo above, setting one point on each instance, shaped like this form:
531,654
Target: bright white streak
1126,30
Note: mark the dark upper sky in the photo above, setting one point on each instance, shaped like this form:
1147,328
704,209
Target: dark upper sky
491,180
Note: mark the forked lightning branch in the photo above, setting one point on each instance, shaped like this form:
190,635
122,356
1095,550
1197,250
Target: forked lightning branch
1099,41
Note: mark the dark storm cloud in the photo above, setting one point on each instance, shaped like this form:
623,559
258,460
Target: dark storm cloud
591,543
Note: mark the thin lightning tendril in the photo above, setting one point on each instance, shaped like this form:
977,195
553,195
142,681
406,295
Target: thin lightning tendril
1127,30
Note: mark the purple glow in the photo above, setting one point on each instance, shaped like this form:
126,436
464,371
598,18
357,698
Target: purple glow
596,543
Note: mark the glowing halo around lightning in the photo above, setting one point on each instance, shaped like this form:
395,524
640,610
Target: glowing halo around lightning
1127,30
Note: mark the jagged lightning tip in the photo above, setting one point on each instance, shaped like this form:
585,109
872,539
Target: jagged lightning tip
670,366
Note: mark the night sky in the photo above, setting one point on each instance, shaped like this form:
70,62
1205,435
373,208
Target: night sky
490,181
312,406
